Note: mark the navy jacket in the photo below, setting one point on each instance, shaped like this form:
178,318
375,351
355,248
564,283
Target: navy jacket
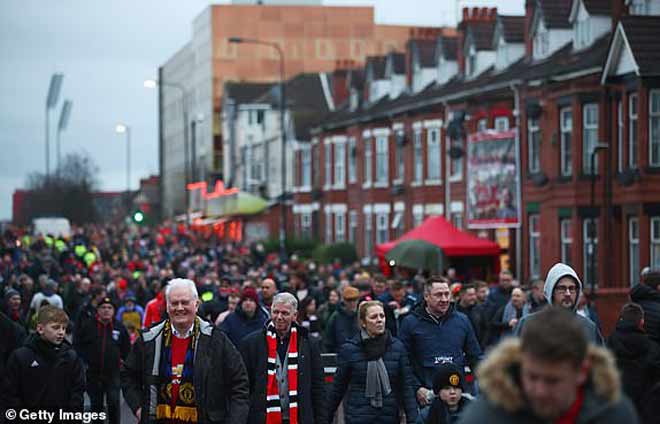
341,327
351,377
237,325
430,342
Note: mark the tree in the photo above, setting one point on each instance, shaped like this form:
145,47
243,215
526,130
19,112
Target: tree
68,193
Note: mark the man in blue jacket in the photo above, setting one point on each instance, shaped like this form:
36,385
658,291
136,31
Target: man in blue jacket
435,333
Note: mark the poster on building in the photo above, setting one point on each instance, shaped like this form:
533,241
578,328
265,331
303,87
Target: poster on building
493,182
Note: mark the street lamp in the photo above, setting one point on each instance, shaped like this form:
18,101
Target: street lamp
125,129
280,53
152,83
592,227
51,101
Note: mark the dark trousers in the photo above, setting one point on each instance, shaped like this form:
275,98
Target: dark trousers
109,386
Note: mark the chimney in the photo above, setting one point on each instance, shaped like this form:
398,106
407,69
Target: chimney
339,80
466,14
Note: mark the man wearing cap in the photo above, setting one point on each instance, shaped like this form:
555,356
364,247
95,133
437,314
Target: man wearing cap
103,344
343,324
247,318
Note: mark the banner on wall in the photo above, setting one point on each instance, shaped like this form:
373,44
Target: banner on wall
493,180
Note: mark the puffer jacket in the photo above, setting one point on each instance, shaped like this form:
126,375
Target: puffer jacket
503,402
649,299
237,325
341,327
351,378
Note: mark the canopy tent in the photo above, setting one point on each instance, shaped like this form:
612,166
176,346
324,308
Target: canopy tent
453,242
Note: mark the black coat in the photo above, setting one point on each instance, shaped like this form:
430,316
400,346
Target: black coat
638,360
439,414
311,390
221,384
102,347
351,377
341,327
649,299
12,336
40,375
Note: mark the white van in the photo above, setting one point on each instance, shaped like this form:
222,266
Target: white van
55,226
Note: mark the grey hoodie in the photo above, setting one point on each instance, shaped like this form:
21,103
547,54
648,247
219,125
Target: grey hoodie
555,274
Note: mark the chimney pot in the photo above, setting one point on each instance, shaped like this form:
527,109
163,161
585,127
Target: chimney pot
466,13
493,13
484,14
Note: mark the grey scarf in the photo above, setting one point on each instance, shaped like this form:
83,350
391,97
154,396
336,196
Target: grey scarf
378,381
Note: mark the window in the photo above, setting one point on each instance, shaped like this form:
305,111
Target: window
655,242
456,163
340,227
566,228
638,7
256,117
654,128
328,227
381,159
340,164
352,161
399,160
316,157
482,124
418,218
382,228
590,250
619,127
501,123
533,145
256,165
582,33
566,124
589,136
419,165
368,153
457,220
633,245
306,225
306,159
633,146
352,226
368,236
433,154
328,164
534,246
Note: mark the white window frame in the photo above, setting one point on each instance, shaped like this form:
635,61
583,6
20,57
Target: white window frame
327,152
306,165
655,241
457,220
368,162
639,7
352,160
382,160
633,130
399,160
534,246
340,227
433,154
566,126
589,137
633,250
586,244
501,123
533,145
368,234
382,227
328,227
654,127
306,225
352,226
418,157
482,124
619,123
566,237
340,166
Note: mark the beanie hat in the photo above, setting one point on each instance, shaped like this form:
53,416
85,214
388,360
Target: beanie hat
447,374
122,284
106,301
350,293
250,293
9,293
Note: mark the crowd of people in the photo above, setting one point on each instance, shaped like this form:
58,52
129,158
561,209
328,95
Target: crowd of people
191,329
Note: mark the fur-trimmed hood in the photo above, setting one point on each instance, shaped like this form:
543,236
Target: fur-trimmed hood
497,378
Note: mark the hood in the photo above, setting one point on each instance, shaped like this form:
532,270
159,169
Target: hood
642,292
555,274
498,380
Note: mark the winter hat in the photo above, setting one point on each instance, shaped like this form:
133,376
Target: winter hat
106,301
250,293
350,293
122,284
9,293
447,374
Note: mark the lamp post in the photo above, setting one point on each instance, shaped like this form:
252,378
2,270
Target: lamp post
51,101
125,129
152,83
283,133
592,227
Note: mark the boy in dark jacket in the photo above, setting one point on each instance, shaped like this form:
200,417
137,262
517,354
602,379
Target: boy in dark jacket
450,401
103,344
45,373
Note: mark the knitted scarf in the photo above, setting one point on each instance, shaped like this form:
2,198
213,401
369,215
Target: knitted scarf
273,405
185,410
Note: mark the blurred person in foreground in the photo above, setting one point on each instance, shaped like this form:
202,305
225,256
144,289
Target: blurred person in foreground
551,374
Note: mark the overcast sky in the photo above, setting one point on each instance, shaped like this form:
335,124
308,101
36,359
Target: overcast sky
106,49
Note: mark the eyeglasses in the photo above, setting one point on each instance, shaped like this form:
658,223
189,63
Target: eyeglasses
570,289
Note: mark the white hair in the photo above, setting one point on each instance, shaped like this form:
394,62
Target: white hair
286,298
183,283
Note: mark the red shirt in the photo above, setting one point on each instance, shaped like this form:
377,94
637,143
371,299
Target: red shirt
570,417
179,349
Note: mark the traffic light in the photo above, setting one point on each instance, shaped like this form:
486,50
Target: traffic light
138,217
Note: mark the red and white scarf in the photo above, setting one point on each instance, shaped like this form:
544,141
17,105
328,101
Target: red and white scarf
273,405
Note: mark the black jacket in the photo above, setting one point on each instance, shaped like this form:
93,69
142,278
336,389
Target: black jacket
311,390
649,299
102,347
341,327
12,336
351,380
439,414
221,384
638,360
477,316
42,375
